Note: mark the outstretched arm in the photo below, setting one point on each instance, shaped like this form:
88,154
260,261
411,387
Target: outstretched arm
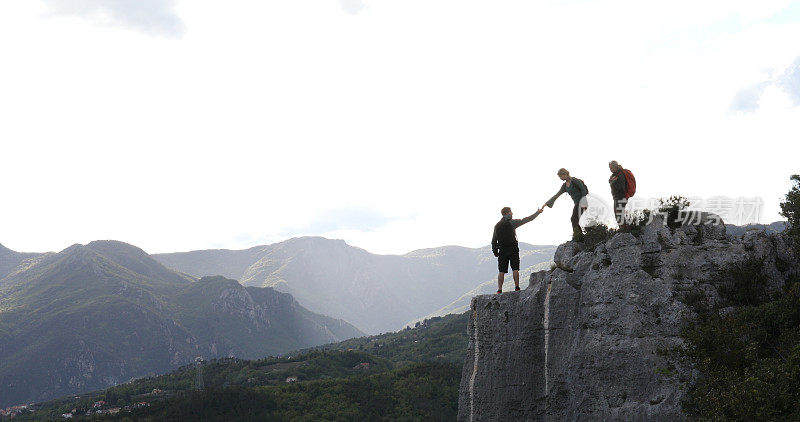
552,200
528,219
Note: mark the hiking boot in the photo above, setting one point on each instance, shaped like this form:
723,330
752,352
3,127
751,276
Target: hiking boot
499,291
577,235
516,289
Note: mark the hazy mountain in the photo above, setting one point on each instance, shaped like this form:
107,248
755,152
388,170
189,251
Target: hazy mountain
224,262
462,304
96,315
376,293
10,260
775,227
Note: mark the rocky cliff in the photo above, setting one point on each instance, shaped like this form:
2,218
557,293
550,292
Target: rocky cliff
590,339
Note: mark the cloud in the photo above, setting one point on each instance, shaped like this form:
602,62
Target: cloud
352,7
361,219
153,17
790,82
747,99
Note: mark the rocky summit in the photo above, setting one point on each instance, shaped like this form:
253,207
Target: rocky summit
591,338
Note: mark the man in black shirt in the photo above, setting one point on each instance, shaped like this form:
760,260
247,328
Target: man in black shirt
505,246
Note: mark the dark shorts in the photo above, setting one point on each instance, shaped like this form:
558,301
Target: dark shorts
505,258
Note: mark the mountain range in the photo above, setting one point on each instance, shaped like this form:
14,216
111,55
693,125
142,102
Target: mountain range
774,227
376,293
99,314
461,305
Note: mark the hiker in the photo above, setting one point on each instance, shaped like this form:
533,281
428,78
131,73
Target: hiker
577,190
621,189
505,246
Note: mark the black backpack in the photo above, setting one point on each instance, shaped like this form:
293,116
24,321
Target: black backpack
506,236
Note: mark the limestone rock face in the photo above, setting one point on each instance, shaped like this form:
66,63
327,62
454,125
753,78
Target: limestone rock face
586,340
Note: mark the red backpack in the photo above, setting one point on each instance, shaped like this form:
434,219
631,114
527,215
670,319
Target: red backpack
631,183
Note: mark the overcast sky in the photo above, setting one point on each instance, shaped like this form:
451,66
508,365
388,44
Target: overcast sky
392,124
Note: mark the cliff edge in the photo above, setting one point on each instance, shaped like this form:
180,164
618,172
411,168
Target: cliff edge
590,339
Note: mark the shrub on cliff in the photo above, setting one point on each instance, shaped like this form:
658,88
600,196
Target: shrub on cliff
749,361
635,221
672,208
744,284
596,234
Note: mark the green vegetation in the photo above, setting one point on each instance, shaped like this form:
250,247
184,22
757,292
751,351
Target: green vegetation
749,361
744,284
438,338
635,220
748,358
596,234
672,208
421,392
412,374
790,208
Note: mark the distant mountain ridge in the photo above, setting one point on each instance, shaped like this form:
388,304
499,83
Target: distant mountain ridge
376,293
461,305
95,315
774,227
225,262
10,260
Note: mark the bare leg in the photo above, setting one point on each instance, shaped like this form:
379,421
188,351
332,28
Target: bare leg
516,278
500,281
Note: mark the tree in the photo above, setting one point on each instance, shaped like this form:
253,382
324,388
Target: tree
790,208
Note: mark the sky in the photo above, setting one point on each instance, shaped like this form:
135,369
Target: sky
394,125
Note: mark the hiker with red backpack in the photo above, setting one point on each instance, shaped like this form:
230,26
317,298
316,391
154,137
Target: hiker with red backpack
623,186
577,190
505,246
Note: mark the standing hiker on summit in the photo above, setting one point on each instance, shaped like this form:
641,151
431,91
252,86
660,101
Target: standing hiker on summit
619,188
505,246
577,190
